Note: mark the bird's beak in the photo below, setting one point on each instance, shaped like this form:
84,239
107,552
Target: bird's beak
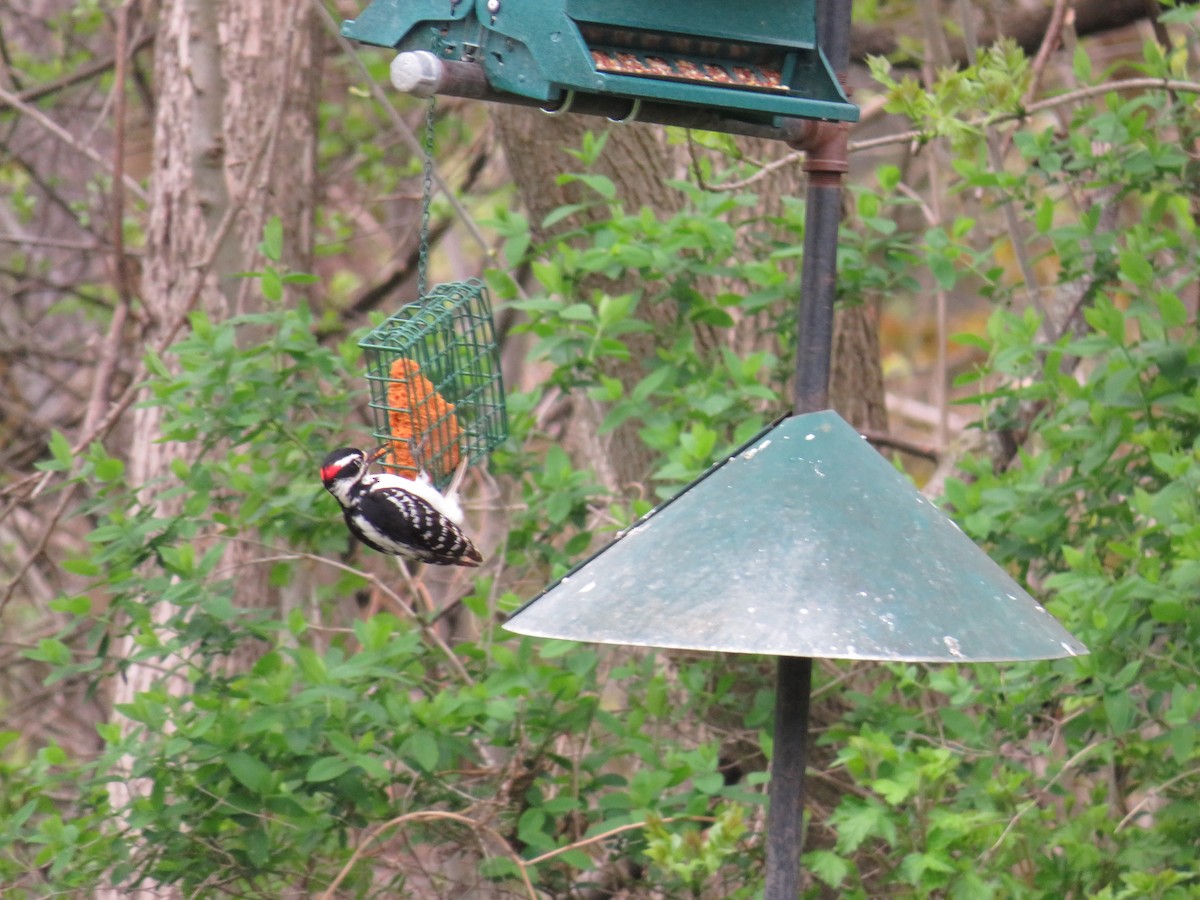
379,454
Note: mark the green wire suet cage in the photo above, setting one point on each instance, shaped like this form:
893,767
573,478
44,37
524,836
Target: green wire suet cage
434,372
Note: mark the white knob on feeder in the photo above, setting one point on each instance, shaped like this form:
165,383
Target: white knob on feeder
417,72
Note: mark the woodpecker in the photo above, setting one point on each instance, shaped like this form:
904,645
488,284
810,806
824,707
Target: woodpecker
404,517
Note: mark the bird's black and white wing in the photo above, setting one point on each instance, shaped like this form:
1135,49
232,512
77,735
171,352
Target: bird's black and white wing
394,520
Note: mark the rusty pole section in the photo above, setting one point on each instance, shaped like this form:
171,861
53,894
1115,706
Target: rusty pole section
825,144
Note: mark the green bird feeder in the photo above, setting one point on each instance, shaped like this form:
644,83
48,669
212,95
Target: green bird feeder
434,373
750,62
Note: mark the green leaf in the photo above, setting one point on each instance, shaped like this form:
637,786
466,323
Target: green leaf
944,271
1169,611
327,768
1045,215
109,469
712,315
1136,267
1081,64
50,650
552,649
598,183
272,242
154,364
79,566
891,790
60,450
1172,309
531,829
579,312
856,821
888,177
576,858
258,846
827,866
72,606
562,212
251,772
272,283
423,749
1118,707
515,249
498,868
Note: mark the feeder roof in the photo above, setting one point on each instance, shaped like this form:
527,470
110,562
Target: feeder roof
807,542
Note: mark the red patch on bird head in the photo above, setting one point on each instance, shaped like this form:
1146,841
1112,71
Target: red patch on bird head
328,473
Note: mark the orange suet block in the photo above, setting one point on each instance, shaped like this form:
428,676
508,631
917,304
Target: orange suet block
425,431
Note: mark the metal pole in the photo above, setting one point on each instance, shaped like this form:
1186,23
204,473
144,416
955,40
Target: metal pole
825,164
785,818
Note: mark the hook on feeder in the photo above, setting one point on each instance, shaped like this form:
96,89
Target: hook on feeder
631,116
562,108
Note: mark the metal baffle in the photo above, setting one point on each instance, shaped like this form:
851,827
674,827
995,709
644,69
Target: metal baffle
805,543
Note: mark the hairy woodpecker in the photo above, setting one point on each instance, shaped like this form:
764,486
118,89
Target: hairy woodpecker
402,516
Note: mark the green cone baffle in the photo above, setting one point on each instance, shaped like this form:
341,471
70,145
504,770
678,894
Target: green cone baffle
805,543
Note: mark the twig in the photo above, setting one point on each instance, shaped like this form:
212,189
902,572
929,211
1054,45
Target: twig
107,361
83,73
1154,792
913,448
431,634
1069,764
66,137
596,838
523,865
124,289
996,161
907,137
39,548
1065,99
931,219
57,243
1049,43
421,816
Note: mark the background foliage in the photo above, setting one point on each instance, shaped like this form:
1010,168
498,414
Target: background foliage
312,753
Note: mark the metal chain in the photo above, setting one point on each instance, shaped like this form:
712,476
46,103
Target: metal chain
426,199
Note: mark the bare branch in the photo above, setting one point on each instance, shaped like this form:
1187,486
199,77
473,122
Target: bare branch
67,138
83,73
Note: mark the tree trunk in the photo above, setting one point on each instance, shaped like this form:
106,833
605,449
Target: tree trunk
234,143
856,380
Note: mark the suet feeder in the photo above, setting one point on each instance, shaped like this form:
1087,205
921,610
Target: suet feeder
753,61
434,375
